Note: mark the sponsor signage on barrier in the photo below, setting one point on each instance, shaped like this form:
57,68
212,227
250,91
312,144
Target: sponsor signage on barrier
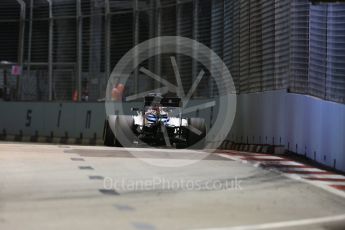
16,70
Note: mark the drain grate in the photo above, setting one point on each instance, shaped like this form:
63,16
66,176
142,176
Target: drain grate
96,177
109,192
85,168
77,159
121,207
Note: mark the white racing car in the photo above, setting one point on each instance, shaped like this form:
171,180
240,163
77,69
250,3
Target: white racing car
160,122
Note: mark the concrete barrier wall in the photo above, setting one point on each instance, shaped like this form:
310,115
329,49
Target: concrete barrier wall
303,124
73,120
68,120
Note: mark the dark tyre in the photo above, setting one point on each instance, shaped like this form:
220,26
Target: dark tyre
124,131
108,135
196,133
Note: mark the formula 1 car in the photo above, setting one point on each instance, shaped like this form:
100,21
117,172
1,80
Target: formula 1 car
160,122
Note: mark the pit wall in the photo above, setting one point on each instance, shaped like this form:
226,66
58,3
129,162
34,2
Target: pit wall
302,124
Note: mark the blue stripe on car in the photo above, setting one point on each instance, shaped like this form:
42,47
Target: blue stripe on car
151,118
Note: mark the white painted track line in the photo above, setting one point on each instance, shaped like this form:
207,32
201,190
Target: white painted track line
331,176
316,183
286,163
295,176
263,157
302,169
285,224
332,182
227,156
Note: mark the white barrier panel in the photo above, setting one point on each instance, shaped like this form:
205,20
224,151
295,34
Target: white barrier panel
305,125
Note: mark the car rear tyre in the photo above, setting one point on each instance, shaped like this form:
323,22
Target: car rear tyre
124,127
108,135
196,133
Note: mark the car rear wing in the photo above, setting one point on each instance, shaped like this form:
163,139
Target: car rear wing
166,101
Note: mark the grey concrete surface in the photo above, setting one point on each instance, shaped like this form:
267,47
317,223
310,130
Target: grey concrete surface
82,187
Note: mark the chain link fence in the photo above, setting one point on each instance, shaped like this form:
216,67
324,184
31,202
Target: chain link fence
68,48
